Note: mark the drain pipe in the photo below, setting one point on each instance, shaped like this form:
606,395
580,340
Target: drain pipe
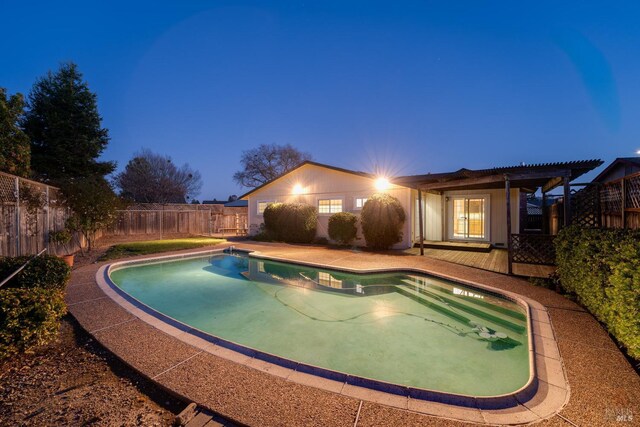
22,267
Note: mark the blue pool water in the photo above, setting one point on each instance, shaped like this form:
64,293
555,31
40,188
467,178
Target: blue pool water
402,328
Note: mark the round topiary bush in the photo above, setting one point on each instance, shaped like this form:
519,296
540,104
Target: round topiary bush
382,219
291,222
270,215
342,227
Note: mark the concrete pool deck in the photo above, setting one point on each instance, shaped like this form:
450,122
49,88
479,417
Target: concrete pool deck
251,391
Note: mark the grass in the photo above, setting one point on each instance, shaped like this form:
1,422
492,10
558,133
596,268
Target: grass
124,250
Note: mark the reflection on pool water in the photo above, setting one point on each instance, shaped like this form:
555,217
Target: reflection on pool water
402,328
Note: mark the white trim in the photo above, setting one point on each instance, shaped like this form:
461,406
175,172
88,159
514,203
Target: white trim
355,198
487,216
258,213
329,198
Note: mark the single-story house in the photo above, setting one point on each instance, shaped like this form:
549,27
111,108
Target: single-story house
461,206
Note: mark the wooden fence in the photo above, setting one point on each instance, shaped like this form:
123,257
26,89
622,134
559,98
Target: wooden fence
29,210
620,202
155,219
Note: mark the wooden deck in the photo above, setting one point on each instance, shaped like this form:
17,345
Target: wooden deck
496,260
462,246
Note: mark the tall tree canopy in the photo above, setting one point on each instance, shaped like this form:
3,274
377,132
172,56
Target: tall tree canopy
154,178
65,128
15,152
267,162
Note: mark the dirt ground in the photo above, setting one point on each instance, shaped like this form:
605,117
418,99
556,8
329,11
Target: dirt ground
75,382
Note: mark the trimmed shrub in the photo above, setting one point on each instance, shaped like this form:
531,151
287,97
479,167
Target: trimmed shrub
602,268
342,227
382,220
29,317
291,222
270,215
45,271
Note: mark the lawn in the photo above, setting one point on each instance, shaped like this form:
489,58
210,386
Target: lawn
147,247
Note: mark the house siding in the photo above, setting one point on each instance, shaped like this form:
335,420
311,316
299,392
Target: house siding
498,212
323,183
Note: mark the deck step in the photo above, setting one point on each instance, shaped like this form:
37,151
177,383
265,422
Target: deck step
457,246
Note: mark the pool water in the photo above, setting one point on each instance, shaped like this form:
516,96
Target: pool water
402,328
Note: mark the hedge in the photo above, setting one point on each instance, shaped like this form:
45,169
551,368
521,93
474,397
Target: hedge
291,222
382,220
602,268
32,303
42,272
29,317
342,227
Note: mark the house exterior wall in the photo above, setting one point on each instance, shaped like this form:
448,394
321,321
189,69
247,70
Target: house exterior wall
498,212
436,213
323,183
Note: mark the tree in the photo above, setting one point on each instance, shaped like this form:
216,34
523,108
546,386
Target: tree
94,206
154,178
15,151
267,162
65,128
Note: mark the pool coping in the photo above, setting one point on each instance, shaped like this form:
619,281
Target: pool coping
538,327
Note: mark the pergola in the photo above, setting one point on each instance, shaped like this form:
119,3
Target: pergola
529,178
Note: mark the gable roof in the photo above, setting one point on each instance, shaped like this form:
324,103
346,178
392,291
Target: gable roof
312,163
627,161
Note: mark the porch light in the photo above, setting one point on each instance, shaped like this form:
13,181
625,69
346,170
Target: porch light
382,183
297,189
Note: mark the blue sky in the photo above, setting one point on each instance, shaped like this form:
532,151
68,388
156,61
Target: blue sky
405,87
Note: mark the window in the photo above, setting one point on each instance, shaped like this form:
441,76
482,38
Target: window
359,202
329,206
327,279
263,205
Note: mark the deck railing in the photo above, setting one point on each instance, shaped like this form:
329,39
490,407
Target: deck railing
533,249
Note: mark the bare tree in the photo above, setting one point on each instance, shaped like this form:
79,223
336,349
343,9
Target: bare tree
154,178
267,162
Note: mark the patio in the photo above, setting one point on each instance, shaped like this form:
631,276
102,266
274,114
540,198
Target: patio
601,381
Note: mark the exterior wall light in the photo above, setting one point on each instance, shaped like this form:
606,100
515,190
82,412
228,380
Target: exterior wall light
382,184
297,189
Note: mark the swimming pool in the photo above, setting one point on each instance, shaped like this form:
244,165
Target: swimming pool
402,328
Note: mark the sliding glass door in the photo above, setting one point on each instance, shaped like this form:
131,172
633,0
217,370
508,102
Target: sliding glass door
469,218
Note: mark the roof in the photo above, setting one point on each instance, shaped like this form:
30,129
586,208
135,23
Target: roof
627,161
309,162
522,176
237,204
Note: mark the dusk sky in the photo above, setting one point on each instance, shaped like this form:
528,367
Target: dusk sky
406,87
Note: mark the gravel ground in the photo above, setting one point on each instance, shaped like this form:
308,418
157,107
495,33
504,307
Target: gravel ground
75,382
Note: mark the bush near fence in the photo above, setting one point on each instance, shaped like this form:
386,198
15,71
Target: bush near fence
32,303
602,268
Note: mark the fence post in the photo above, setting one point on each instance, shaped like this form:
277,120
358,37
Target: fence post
161,219
47,224
624,203
17,191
